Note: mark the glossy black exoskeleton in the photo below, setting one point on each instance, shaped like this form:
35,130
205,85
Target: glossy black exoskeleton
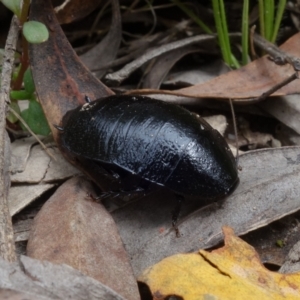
139,140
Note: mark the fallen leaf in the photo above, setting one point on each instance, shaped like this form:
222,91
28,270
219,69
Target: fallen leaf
43,280
268,191
266,240
8,294
218,122
20,152
21,196
250,81
204,73
70,11
40,167
61,80
292,263
231,272
22,229
286,109
163,65
73,229
31,164
105,51
117,77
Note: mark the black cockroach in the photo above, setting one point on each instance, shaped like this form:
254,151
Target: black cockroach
137,140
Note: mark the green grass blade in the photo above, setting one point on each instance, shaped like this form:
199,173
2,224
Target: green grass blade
269,18
218,21
262,18
245,32
279,14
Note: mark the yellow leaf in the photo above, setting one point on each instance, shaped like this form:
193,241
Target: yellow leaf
231,272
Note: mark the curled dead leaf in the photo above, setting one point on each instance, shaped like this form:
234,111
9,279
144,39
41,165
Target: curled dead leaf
73,229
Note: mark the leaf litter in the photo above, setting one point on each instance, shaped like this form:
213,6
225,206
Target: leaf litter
145,226
232,271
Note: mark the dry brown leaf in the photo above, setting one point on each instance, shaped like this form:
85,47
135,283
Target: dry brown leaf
31,164
70,11
105,51
22,195
40,167
268,191
163,65
8,294
61,80
20,153
292,263
73,229
198,75
231,272
43,280
22,229
250,81
286,109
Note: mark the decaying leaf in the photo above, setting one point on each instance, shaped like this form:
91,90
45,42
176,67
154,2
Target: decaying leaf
268,191
20,153
31,164
106,51
61,80
73,229
286,109
292,263
163,65
190,76
34,279
120,75
70,11
250,81
231,272
40,167
21,196
22,229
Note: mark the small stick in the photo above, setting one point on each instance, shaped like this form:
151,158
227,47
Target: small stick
7,244
278,56
270,91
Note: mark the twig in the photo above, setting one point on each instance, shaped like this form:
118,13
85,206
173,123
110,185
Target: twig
119,76
268,93
278,56
278,86
7,245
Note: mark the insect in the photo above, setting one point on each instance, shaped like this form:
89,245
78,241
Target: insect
136,141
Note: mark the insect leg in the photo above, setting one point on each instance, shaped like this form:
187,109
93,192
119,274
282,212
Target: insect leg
87,99
176,214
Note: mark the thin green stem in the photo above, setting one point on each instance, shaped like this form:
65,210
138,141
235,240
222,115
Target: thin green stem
245,32
224,28
24,12
279,14
218,21
262,18
234,61
269,18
